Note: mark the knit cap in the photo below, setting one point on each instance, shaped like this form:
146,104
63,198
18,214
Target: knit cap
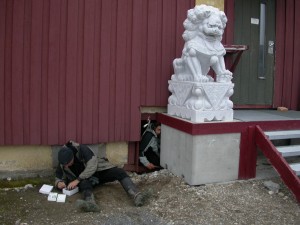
65,155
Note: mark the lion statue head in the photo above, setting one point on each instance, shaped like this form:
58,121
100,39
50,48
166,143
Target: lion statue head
204,20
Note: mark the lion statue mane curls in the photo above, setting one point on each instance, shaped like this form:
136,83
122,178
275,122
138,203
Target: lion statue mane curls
203,49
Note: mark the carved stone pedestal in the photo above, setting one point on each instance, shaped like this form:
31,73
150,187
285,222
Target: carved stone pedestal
200,102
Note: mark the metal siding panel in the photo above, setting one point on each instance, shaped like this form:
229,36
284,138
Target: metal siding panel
17,72
295,104
228,36
2,69
136,68
129,104
45,73
35,102
88,63
144,85
105,58
71,70
288,54
112,71
81,75
62,73
159,53
7,74
280,40
168,50
79,67
96,73
53,73
120,78
180,18
26,71
151,51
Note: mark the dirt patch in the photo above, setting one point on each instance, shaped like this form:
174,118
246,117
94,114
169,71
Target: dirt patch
172,202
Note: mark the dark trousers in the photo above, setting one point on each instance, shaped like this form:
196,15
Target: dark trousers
104,176
152,157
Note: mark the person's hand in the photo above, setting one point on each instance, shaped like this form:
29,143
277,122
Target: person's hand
73,184
61,185
150,166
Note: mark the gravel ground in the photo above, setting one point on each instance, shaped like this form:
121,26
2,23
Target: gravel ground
172,202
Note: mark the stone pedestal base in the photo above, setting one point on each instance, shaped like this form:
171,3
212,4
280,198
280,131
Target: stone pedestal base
201,102
198,116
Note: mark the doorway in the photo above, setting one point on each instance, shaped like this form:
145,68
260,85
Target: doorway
254,25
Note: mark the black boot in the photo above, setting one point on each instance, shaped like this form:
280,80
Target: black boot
138,197
88,204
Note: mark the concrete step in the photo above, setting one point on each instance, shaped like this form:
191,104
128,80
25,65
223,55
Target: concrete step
296,168
283,134
290,150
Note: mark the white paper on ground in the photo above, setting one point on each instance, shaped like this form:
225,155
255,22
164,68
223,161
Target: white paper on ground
46,189
52,197
61,198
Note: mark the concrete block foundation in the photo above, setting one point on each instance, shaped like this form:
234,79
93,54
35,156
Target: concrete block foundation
200,159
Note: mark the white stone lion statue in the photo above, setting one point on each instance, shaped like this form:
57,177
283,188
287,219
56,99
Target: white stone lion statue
203,49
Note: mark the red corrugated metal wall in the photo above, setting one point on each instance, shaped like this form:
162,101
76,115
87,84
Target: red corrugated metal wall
80,69
287,78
